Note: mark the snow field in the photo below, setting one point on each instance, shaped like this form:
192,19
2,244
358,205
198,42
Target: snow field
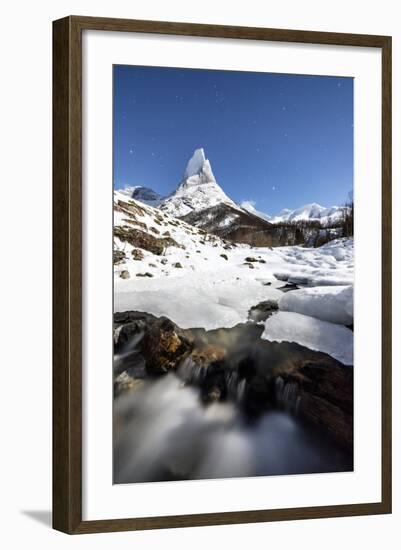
211,291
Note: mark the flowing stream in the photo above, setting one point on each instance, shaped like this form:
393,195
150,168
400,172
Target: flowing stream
164,430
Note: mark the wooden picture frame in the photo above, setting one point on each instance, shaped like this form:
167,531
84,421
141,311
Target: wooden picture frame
67,274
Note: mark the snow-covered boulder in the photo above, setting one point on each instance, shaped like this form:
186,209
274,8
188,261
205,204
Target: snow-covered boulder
335,340
328,303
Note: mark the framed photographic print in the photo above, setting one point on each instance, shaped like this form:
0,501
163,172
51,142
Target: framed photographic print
222,274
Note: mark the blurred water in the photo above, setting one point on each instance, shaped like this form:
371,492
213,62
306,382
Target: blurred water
162,431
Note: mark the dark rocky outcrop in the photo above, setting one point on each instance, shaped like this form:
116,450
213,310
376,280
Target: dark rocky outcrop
325,391
164,346
118,257
137,254
141,239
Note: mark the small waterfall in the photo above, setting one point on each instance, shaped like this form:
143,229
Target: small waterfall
191,372
287,395
232,384
129,355
241,389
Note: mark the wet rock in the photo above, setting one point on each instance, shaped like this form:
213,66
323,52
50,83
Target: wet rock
247,369
325,389
125,333
214,385
137,254
124,383
259,388
263,310
124,274
207,355
118,256
164,346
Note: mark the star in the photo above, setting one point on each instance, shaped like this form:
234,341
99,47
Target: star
283,108
131,151
339,84
273,188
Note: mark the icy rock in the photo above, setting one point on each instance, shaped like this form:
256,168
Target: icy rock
315,334
328,303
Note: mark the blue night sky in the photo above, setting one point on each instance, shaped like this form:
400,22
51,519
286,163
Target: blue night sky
281,141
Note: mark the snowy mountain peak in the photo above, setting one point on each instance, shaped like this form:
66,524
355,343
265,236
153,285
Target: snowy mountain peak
195,163
197,191
309,212
198,169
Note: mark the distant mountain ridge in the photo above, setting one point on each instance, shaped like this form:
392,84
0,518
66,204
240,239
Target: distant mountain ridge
142,194
200,201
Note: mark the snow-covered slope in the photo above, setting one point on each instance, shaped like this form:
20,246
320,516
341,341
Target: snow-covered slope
197,191
250,207
166,266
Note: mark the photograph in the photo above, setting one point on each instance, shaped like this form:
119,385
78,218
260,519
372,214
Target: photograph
233,262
